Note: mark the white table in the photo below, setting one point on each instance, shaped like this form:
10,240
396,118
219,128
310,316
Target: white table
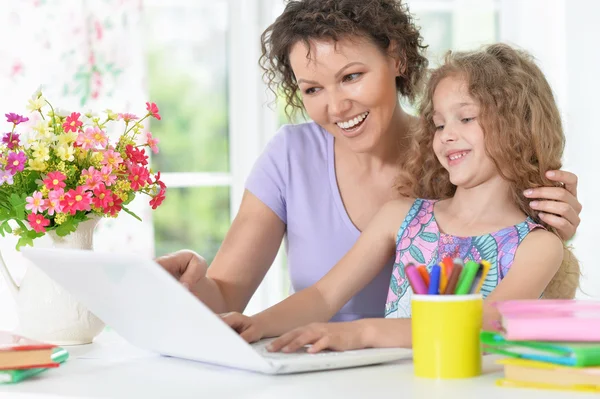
112,368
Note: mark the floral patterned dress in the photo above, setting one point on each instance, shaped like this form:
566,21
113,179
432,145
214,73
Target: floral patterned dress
419,241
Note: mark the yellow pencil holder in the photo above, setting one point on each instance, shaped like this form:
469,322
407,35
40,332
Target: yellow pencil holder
445,335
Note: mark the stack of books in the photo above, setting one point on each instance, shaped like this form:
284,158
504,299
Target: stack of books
548,344
21,357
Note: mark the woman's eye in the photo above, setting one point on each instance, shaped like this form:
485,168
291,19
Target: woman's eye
438,128
352,76
311,90
466,120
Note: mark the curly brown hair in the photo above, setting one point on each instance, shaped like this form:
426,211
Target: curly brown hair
522,128
383,22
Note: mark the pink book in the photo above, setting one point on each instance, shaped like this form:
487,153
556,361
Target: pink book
550,320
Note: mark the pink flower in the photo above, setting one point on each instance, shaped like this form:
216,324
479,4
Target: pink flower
112,158
11,140
16,119
72,123
55,180
114,205
92,178
16,162
107,177
136,155
153,110
102,197
6,177
36,203
76,200
85,139
98,136
158,199
53,201
152,142
128,117
138,177
38,222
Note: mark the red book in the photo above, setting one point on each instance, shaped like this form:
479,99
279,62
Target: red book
18,352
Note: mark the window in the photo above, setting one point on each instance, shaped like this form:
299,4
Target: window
187,77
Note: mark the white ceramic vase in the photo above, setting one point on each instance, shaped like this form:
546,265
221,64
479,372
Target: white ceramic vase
45,310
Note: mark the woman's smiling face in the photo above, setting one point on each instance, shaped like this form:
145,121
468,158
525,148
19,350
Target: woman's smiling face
348,87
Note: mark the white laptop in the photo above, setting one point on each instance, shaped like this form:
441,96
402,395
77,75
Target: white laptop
150,309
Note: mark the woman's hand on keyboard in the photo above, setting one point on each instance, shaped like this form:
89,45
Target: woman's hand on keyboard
246,326
334,336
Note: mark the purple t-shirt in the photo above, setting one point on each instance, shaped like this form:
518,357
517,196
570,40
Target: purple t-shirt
295,177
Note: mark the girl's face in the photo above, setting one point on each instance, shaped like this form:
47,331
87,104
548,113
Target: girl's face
349,88
459,140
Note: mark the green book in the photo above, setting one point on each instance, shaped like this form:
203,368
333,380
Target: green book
59,355
574,354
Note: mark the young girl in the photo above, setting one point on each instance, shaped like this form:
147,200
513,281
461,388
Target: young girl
489,129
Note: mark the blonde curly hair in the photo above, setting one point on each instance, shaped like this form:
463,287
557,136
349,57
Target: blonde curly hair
522,128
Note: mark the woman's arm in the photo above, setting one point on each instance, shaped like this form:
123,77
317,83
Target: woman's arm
558,206
241,263
321,301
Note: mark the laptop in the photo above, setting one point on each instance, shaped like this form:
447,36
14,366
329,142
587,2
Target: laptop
149,308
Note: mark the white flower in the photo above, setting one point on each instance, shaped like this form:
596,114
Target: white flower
62,112
37,93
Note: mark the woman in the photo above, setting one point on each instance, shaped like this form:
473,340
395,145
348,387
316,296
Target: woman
319,184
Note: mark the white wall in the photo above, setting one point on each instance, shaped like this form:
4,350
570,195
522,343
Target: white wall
562,36
583,117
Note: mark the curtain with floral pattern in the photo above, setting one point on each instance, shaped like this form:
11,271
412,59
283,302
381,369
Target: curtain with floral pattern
86,55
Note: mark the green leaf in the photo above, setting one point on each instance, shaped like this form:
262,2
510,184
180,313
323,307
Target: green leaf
130,198
66,228
18,204
429,237
5,227
416,254
132,214
27,238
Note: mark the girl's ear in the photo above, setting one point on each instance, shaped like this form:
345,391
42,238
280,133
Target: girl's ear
398,57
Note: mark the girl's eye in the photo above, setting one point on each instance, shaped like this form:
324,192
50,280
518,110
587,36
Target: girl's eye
467,120
352,76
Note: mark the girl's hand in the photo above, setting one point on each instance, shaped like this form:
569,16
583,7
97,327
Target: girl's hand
247,327
558,206
335,336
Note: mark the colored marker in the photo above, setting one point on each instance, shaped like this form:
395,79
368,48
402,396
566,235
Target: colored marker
424,274
415,280
434,280
482,271
449,264
465,281
453,280
443,277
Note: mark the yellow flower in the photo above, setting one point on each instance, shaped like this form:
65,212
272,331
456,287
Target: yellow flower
65,152
61,166
111,115
66,138
81,154
36,103
60,218
37,164
44,190
41,153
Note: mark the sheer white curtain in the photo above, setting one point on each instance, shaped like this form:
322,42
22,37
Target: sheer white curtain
86,55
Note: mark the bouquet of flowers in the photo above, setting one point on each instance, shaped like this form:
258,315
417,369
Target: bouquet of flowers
58,169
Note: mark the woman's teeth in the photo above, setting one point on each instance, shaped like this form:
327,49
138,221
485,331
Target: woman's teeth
352,122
